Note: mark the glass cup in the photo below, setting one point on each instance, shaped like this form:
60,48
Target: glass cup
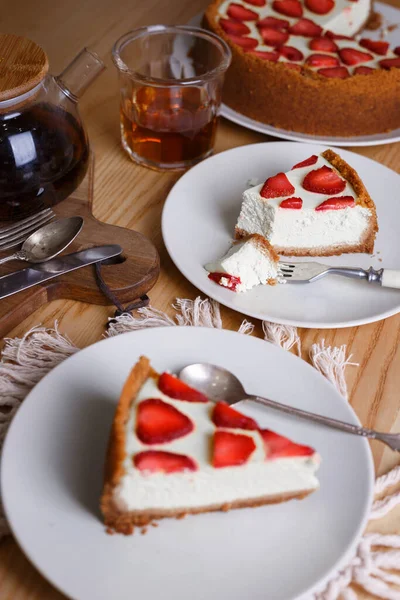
170,83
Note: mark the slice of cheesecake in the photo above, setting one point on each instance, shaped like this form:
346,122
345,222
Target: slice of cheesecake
319,208
248,263
173,452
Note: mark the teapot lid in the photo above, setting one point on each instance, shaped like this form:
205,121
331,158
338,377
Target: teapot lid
23,65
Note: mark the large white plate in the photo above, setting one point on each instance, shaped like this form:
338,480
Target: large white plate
199,218
392,16
52,476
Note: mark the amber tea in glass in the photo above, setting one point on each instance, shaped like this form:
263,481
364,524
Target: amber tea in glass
171,81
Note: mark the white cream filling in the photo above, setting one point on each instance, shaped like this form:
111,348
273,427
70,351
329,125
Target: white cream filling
305,227
207,486
246,261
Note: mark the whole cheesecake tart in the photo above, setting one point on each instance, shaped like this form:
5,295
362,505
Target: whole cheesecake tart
297,65
172,452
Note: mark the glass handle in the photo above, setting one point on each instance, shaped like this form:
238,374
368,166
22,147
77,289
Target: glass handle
80,73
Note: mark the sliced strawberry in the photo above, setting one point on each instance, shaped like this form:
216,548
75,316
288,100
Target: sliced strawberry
240,13
178,390
291,53
324,181
337,203
306,28
377,46
158,422
292,203
322,60
337,36
278,446
363,70
351,56
323,44
273,56
335,73
290,8
235,27
320,7
293,67
247,43
306,163
277,186
273,37
257,2
274,23
158,461
231,449
230,282
389,63
397,50
225,416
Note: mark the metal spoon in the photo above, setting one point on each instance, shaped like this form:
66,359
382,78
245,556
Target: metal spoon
220,384
48,241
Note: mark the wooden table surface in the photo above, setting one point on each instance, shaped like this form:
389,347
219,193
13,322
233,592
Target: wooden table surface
132,196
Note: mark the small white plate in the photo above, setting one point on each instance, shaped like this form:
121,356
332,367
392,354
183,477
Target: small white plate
52,468
392,16
198,223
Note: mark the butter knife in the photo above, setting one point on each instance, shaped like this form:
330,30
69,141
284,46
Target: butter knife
27,278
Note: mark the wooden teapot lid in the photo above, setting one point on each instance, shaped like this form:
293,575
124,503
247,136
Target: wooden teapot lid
23,64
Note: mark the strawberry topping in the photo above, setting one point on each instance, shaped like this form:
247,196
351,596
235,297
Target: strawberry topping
397,50
277,186
158,422
337,36
278,446
257,2
351,56
158,461
273,37
335,72
324,181
178,390
274,23
230,281
273,56
363,70
234,27
306,163
295,203
290,53
231,449
226,416
290,8
245,42
377,46
337,203
320,7
388,63
322,60
306,28
323,44
240,13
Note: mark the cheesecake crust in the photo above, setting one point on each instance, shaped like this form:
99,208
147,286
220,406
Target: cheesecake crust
305,101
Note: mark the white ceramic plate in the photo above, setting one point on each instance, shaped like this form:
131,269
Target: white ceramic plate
52,477
199,218
391,16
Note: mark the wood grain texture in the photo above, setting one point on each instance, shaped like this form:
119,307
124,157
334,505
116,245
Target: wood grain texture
23,64
128,280
131,196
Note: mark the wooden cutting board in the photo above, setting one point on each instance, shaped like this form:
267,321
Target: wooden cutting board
129,279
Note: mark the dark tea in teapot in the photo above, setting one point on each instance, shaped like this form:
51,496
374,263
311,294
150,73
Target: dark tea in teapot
43,158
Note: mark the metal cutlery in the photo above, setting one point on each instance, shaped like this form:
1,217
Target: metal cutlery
14,234
308,272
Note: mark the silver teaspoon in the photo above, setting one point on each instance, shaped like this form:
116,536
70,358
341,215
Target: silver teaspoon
220,384
48,241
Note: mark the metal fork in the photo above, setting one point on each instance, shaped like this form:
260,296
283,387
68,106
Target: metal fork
14,234
308,272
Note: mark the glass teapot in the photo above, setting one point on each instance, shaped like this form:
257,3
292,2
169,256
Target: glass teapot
44,150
